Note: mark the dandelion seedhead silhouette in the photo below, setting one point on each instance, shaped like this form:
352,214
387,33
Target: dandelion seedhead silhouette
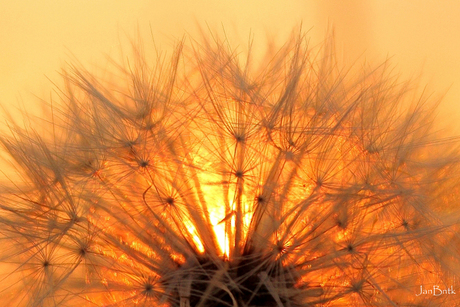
206,180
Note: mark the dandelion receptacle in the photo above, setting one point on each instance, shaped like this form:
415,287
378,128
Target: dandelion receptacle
204,179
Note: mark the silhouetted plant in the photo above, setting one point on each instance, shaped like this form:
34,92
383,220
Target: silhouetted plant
205,181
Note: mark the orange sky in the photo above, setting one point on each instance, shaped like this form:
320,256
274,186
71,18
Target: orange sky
37,37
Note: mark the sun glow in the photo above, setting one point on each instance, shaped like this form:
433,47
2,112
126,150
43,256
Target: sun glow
222,216
195,237
221,234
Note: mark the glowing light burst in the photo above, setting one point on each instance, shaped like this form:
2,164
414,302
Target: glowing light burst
205,181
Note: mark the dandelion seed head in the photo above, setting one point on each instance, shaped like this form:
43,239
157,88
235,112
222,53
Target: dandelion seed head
206,180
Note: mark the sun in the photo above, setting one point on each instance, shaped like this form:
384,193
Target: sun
211,181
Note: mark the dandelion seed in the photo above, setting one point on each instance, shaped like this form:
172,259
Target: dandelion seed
205,181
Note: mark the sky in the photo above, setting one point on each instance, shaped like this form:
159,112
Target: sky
420,37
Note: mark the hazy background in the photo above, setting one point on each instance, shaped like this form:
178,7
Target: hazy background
38,37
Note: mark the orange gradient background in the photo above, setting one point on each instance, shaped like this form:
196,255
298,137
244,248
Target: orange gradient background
421,37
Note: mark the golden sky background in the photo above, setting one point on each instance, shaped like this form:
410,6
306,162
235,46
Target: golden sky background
38,37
